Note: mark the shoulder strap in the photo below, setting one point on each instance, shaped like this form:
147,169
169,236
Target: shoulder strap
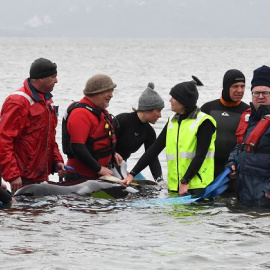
77,104
243,124
257,132
65,134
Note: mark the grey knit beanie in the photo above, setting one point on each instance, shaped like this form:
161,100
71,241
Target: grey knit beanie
97,84
150,99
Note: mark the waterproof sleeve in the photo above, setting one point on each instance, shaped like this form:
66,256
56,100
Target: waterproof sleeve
152,152
13,119
232,160
57,157
79,128
204,136
154,165
81,152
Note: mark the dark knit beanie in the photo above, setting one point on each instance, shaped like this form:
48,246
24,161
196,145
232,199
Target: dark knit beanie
230,77
186,93
150,99
42,68
97,84
261,77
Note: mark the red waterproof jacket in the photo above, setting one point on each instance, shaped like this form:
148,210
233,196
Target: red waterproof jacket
27,135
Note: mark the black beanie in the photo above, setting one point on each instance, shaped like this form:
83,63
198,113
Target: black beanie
261,77
42,68
230,77
186,93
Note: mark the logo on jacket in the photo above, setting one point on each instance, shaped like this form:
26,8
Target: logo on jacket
225,114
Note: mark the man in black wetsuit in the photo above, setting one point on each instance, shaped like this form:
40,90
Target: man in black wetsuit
134,129
227,111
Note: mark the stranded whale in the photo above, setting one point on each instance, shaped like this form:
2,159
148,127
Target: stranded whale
88,187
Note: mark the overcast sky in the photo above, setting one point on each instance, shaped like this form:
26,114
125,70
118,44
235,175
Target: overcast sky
135,18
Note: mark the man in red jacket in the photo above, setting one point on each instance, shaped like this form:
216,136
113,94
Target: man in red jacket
29,152
88,135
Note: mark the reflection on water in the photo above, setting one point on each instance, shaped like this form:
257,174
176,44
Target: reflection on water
70,232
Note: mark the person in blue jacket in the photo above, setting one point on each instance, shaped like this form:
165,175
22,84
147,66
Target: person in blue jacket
250,160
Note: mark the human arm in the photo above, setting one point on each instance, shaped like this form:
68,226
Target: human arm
58,161
152,151
82,153
231,163
60,166
16,184
13,119
118,159
154,165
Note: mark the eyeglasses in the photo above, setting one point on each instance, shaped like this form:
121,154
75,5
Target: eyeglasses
257,93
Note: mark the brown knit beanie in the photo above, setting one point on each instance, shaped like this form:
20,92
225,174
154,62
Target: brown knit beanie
97,84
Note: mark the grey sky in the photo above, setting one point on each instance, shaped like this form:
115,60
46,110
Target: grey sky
135,18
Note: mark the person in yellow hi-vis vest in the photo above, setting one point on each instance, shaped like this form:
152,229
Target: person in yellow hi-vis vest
189,137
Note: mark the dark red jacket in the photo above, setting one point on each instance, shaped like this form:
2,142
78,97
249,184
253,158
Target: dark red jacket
27,135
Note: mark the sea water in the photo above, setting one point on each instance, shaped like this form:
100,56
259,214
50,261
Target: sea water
86,233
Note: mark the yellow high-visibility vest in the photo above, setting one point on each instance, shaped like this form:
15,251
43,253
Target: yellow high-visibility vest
181,143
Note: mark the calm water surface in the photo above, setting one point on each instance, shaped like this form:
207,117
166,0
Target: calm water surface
87,233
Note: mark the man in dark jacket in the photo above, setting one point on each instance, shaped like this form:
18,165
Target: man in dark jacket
227,111
250,159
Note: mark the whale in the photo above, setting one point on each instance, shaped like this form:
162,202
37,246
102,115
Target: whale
87,188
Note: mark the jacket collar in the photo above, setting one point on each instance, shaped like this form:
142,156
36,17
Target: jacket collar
261,111
36,94
191,115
